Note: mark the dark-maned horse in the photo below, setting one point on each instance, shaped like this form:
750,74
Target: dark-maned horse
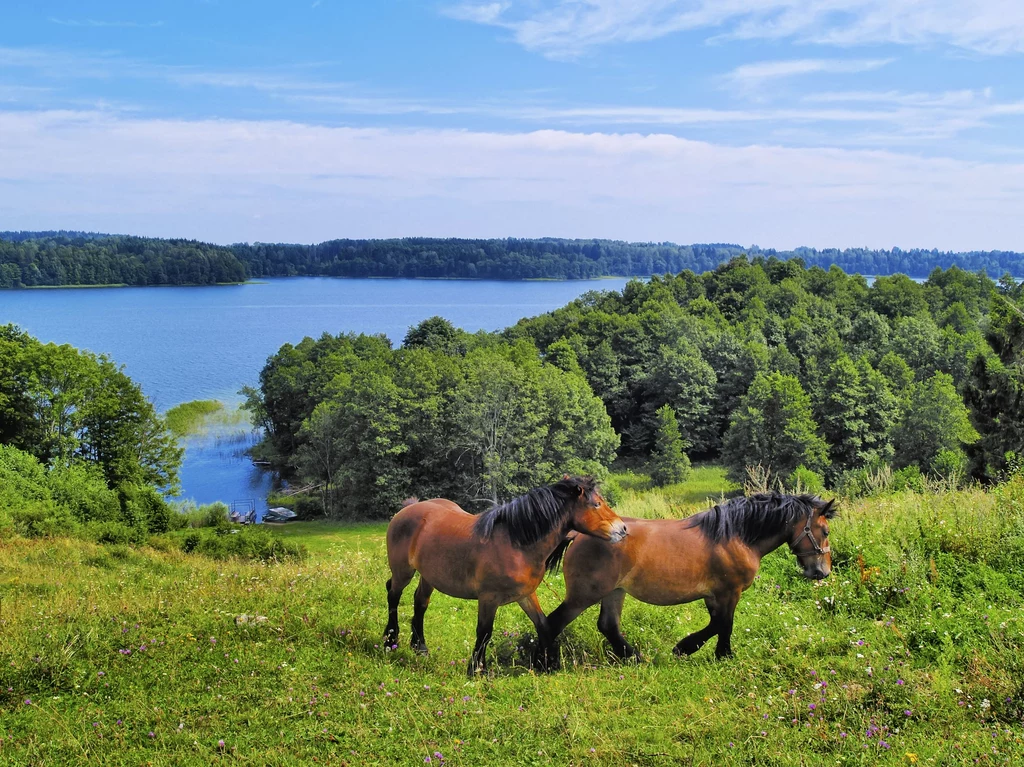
497,557
713,555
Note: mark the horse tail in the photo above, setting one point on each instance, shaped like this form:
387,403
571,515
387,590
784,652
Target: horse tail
410,501
554,560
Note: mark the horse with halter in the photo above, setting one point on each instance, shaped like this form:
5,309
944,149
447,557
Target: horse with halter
713,555
497,557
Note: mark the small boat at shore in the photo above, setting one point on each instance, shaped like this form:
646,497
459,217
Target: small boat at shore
279,514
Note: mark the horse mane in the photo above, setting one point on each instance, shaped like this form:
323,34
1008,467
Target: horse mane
536,513
554,560
756,517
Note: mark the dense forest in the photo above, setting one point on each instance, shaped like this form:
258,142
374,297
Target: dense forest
30,259
809,374
72,259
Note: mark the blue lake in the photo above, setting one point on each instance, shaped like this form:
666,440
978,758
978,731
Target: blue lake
183,344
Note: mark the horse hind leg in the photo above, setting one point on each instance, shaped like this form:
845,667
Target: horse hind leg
395,586
484,627
609,622
421,600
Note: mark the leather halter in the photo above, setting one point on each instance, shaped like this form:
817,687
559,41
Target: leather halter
819,550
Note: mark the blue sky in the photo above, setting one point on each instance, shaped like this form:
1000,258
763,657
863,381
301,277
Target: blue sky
775,122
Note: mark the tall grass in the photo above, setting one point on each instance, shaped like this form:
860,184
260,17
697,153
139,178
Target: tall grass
911,652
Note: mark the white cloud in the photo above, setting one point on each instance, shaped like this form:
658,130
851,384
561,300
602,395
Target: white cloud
96,23
566,28
750,77
234,180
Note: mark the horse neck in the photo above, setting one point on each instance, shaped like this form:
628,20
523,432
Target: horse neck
547,544
771,542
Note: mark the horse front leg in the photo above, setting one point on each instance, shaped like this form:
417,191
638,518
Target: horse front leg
545,657
720,610
484,627
726,613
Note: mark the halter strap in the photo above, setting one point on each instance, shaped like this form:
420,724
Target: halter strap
810,536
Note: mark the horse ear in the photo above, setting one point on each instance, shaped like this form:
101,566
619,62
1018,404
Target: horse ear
829,510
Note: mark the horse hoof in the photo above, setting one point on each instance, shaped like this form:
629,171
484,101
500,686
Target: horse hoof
546,659
420,649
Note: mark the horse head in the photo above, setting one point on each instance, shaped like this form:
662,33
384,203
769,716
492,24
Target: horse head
590,513
810,544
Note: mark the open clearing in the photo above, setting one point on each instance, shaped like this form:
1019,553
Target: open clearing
911,652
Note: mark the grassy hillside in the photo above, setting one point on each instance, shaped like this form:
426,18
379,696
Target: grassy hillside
912,652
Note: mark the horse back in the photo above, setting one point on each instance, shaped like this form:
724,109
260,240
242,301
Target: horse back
660,562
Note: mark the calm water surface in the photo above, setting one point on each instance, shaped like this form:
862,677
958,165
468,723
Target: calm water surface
183,344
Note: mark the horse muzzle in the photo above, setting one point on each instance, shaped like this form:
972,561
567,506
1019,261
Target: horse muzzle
817,573
617,532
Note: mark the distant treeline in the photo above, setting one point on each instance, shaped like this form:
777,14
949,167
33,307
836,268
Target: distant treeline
77,258
71,259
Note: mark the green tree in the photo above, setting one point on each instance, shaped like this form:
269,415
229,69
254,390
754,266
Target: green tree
437,334
669,462
64,405
774,427
935,420
680,378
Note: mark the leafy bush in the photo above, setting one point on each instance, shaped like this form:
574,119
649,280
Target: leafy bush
114,532
804,480
142,506
251,543
81,489
951,465
42,519
908,478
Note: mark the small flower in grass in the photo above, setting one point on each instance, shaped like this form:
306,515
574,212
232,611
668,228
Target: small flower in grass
426,759
152,734
220,744
912,758
899,681
883,744
907,712
842,735
28,701
811,706
465,698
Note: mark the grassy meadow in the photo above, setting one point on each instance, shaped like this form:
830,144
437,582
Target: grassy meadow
912,652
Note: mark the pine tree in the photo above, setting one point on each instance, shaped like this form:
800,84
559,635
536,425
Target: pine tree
669,462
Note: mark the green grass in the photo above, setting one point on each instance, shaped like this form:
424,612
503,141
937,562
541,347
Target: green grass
918,632
705,486
199,416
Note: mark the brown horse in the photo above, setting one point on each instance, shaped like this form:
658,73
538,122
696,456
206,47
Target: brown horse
497,557
713,555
